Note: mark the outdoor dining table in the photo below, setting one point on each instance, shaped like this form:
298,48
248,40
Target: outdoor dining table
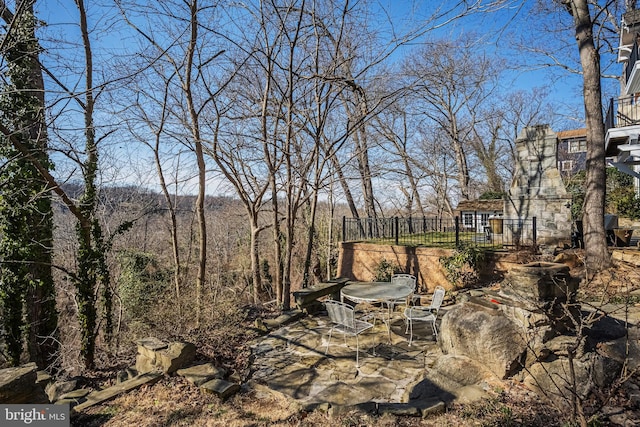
376,292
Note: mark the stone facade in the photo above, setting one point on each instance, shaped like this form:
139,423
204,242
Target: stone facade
537,189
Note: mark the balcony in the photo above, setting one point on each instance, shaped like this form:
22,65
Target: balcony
622,129
622,123
622,112
632,72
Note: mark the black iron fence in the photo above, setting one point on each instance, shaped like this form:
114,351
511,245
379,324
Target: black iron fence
439,231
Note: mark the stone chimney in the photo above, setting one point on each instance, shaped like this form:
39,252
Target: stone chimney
537,189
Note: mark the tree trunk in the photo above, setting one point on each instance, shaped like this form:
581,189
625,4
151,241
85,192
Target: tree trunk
88,253
199,152
255,260
595,242
345,186
173,229
362,152
37,232
461,157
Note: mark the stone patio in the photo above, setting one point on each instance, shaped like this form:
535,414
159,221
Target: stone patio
291,363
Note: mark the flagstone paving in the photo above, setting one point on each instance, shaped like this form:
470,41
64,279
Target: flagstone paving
392,377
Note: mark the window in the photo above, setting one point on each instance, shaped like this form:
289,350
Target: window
566,166
467,219
484,219
577,145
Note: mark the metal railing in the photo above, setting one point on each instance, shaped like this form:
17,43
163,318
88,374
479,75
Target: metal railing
441,232
622,112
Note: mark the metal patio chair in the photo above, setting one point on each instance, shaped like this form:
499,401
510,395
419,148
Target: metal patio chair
343,318
424,313
404,279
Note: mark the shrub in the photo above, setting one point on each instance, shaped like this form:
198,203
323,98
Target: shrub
575,187
385,269
492,195
621,197
141,284
463,266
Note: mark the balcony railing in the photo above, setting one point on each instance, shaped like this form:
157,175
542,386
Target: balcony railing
622,112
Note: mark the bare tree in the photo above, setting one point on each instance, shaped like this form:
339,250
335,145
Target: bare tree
91,278
394,126
595,240
453,86
519,110
144,105
494,134
189,53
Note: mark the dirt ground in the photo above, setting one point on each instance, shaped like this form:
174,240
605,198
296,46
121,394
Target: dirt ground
173,402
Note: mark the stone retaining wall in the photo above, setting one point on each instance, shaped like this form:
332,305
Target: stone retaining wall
358,261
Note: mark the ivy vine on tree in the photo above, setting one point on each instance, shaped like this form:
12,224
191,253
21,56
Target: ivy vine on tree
27,291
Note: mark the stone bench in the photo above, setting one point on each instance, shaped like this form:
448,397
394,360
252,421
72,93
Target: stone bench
307,297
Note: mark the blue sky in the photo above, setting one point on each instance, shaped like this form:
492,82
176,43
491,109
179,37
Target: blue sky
502,31
505,28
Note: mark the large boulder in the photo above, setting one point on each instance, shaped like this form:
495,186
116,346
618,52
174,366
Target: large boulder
176,356
485,335
559,381
156,355
19,385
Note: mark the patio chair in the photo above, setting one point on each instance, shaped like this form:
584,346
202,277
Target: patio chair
343,318
407,280
424,313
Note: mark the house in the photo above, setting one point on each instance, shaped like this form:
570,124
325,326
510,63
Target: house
543,159
622,122
537,189
572,151
474,214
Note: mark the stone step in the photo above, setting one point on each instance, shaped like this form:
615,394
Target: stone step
221,388
73,398
411,409
100,396
200,374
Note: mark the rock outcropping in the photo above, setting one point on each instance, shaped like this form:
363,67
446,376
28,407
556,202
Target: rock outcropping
533,330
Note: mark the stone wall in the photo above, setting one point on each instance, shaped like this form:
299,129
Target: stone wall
537,189
358,261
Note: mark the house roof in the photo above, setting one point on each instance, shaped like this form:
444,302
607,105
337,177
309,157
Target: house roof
573,133
481,205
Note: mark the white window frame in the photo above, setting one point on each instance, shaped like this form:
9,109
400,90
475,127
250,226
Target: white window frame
467,219
577,145
566,165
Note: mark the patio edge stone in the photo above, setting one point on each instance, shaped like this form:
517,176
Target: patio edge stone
401,409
